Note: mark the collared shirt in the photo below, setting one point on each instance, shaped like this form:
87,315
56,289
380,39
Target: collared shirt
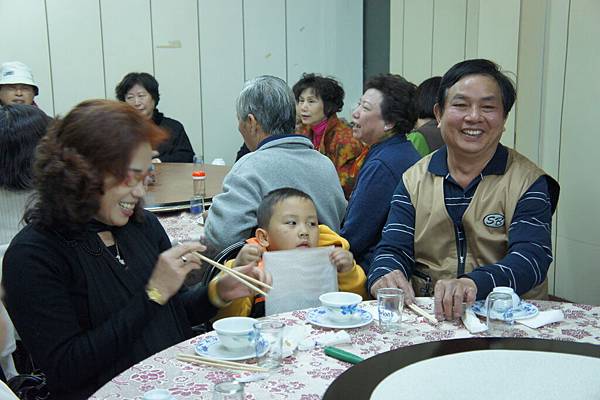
270,138
529,244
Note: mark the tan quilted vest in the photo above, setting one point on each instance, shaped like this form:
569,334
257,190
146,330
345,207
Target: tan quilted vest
487,218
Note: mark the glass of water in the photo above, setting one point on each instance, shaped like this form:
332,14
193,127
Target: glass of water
228,391
390,303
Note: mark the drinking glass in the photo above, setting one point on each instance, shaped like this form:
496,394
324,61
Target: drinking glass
228,391
268,337
390,303
499,312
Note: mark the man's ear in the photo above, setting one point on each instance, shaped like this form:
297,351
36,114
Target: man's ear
252,122
263,237
437,111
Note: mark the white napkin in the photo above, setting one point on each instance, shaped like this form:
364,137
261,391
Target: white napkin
472,323
325,339
292,336
543,318
300,276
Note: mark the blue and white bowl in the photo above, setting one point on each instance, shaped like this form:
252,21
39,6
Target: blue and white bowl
235,333
341,306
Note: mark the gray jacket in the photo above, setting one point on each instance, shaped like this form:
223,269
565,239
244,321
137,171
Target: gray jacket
282,161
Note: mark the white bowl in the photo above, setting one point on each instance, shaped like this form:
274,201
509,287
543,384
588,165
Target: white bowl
507,290
235,333
341,306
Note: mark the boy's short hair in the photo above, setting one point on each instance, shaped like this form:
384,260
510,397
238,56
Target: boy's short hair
265,209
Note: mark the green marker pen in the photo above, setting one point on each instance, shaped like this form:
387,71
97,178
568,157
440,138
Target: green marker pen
342,355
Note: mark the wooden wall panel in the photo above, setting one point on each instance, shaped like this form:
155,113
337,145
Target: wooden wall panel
177,64
126,40
264,43
222,75
75,52
31,47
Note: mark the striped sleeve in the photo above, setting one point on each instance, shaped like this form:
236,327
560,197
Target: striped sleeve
395,250
529,246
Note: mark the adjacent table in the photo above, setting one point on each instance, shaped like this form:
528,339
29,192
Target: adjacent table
307,375
173,188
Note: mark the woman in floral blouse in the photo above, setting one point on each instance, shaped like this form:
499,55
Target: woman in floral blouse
318,100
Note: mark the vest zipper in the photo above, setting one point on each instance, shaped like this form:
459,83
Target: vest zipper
461,250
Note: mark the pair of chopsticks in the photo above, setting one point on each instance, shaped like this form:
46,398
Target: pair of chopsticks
423,313
211,362
244,279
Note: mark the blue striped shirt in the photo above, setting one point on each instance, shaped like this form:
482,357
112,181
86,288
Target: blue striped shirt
529,236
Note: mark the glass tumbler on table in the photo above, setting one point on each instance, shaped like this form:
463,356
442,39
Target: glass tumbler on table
268,336
390,303
228,391
499,313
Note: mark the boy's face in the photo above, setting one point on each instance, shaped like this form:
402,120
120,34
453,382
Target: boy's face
293,225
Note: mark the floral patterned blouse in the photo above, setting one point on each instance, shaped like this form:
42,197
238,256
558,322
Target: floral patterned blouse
342,149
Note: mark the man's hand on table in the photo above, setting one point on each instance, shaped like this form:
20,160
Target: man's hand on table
395,279
449,296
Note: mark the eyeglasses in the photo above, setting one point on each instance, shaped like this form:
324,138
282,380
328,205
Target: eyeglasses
135,176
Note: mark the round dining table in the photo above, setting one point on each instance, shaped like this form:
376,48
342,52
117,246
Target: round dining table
307,375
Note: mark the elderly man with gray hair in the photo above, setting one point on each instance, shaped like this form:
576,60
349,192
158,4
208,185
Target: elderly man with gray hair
266,112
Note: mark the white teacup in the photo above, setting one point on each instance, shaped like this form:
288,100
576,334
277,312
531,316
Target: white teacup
235,333
341,306
507,290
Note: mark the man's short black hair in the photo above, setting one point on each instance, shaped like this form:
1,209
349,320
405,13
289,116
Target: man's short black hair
265,209
478,66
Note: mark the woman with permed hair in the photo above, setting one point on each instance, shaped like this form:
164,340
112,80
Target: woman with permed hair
140,90
318,99
385,113
21,127
92,283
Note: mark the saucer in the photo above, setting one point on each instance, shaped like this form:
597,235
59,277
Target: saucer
523,311
211,347
318,316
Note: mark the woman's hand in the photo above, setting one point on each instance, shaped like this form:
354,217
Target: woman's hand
172,267
249,254
230,288
342,260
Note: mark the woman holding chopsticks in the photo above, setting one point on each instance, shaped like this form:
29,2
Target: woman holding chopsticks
92,283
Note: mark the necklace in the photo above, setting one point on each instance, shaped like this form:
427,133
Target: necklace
118,256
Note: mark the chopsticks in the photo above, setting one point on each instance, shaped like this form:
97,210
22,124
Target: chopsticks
423,313
245,279
219,363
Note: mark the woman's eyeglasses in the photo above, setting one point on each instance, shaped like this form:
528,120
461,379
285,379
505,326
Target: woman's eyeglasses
135,176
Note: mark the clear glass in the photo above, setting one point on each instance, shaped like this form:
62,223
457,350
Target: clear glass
499,313
390,303
268,337
157,394
228,391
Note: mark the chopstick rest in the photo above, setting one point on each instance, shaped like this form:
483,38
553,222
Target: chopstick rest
342,355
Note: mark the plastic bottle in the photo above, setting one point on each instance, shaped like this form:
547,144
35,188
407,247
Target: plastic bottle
197,204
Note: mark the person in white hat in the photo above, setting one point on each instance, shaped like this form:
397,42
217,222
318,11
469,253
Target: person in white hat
16,84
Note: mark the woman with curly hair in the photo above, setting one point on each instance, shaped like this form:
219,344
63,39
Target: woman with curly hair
92,283
385,113
318,100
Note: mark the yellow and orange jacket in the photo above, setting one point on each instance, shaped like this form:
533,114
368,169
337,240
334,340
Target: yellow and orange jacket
350,281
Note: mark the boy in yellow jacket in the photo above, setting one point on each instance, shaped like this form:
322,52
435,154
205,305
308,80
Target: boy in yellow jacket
287,219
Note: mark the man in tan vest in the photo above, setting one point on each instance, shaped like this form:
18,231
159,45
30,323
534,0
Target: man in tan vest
474,214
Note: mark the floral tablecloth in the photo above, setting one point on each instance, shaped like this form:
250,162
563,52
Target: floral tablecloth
307,374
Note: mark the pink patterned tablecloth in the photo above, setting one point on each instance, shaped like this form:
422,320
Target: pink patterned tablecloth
307,374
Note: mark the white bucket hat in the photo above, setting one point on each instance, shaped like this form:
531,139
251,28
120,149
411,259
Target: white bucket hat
15,72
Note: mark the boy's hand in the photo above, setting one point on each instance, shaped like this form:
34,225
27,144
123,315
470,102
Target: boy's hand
342,259
249,254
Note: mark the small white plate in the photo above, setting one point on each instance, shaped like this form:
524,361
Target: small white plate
211,347
318,316
523,311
